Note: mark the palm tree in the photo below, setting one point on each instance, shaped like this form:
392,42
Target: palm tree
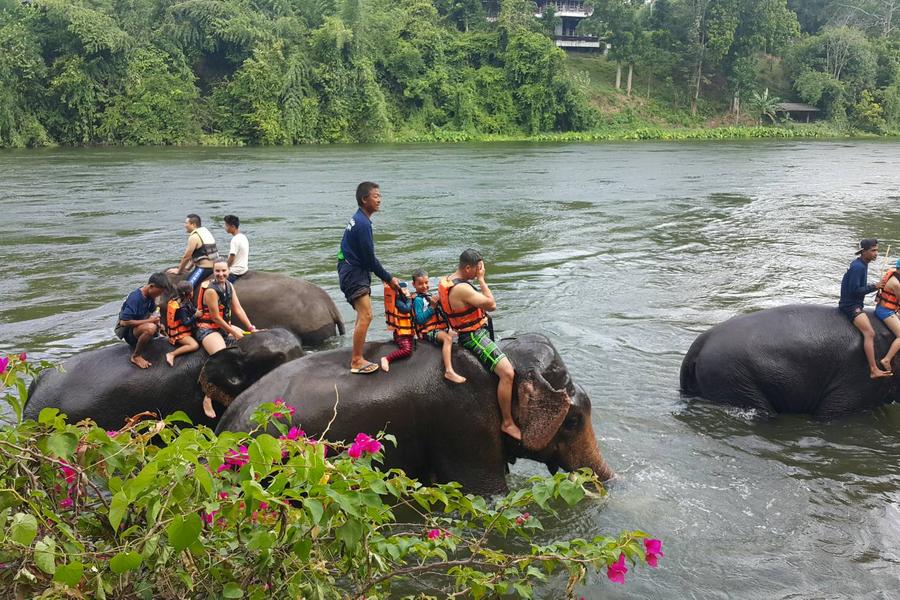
764,105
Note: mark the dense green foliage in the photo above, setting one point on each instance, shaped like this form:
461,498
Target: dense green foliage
324,71
154,511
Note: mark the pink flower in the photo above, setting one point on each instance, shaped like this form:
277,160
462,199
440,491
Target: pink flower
520,520
223,495
69,474
363,444
112,433
4,362
263,505
434,534
653,551
235,459
23,357
67,503
616,571
208,517
280,403
293,434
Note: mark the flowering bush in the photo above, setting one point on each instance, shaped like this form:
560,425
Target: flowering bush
91,513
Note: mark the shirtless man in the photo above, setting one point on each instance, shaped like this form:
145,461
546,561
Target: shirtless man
137,323
466,309
201,251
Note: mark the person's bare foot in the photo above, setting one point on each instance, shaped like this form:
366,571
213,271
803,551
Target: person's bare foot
170,359
512,430
886,365
385,365
140,362
208,409
878,374
454,377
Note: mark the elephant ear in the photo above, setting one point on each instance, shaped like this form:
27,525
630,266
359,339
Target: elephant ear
224,376
540,411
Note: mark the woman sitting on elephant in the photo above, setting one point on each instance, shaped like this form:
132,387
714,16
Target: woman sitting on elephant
886,307
217,301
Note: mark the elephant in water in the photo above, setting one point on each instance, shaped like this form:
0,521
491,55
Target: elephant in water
102,385
275,300
445,432
792,359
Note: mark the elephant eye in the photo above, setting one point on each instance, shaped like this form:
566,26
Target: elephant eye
572,421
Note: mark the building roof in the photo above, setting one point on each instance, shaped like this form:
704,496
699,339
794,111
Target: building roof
795,107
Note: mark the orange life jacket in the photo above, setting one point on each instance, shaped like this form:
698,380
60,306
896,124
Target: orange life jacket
175,329
205,321
397,321
435,321
468,319
885,298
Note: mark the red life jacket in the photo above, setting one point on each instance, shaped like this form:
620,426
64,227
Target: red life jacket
224,296
467,319
435,322
885,298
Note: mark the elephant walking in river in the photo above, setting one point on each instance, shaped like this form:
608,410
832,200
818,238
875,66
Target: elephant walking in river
792,359
445,431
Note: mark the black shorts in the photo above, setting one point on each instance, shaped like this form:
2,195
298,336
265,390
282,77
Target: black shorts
202,332
355,282
851,312
129,337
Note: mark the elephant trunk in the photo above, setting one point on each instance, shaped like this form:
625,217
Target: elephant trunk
590,456
215,393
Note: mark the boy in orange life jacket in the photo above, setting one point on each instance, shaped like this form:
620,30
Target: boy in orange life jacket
431,325
180,317
398,316
888,303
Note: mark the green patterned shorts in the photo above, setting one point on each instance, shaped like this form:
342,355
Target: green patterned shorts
483,347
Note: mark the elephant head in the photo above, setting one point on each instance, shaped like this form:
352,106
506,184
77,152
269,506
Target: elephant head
229,372
553,413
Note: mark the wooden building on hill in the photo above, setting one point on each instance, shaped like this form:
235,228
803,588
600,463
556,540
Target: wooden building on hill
797,111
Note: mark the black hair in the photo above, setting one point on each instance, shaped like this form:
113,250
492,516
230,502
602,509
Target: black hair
232,220
194,219
419,273
470,258
184,288
363,190
160,280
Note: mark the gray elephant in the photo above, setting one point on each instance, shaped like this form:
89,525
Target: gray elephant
275,300
445,432
791,359
102,385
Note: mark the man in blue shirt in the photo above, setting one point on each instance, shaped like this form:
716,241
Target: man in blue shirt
137,323
854,287
356,263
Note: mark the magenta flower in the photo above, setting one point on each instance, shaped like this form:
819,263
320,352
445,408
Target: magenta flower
23,357
520,520
363,444
112,433
280,404
69,474
616,571
235,459
67,503
4,362
434,534
293,434
223,495
653,551
263,505
208,517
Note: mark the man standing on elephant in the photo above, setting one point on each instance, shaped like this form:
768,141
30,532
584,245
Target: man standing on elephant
466,310
356,263
137,323
854,287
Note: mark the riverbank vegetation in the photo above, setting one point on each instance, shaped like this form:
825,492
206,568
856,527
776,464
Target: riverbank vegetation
78,72
157,511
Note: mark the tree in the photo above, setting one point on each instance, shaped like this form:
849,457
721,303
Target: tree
764,105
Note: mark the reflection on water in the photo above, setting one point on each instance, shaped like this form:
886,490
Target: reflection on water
622,253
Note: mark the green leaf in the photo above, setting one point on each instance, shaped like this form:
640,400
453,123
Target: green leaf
144,479
178,416
45,555
232,590
303,548
315,509
69,574
8,500
124,561
117,509
62,444
350,533
571,492
23,529
203,478
261,540
47,416
184,531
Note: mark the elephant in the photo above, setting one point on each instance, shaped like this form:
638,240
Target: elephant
802,359
104,386
445,432
275,300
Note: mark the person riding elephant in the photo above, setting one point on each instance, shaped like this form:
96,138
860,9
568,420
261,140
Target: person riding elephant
201,251
101,385
804,359
275,300
445,432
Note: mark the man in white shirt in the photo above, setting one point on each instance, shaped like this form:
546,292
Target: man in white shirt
239,253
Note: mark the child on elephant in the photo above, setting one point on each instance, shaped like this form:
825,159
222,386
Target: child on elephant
430,323
398,316
180,317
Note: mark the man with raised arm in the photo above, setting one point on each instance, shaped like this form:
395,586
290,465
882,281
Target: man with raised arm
466,310
201,250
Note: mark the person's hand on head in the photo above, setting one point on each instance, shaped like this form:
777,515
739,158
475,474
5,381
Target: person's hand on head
480,271
394,284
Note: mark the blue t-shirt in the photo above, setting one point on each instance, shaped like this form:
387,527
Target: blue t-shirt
136,307
854,285
422,310
358,246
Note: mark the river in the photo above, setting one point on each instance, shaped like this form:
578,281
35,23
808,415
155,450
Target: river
621,253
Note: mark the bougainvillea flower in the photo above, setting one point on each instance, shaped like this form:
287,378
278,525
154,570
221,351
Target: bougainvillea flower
293,434
616,571
223,495
363,444
23,357
653,551
4,362
112,433
235,459
67,503
280,404
434,534
69,474
520,520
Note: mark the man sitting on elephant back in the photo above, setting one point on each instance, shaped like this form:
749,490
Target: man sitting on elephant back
466,311
854,287
137,322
